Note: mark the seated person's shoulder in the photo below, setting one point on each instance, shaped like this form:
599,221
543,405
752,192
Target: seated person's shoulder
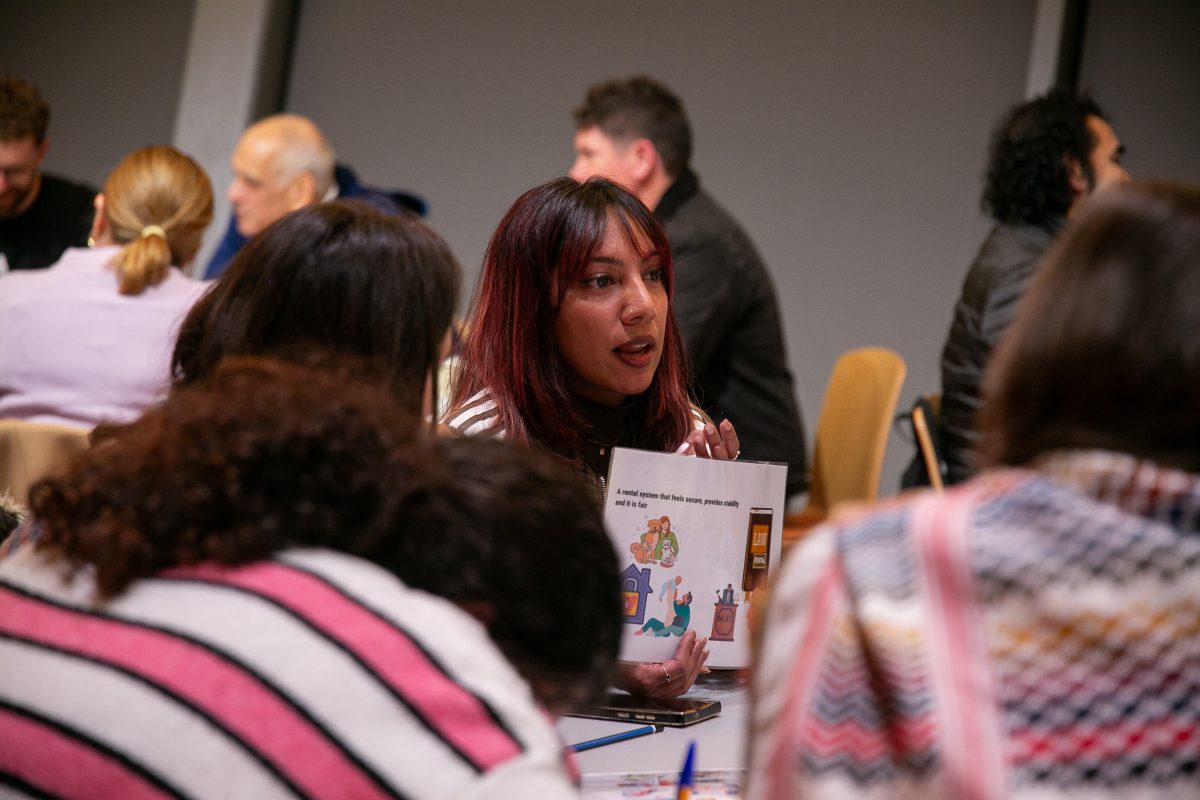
704,232
61,196
1008,250
477,415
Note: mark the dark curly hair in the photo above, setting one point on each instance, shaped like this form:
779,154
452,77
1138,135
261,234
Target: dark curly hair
1028,169
507,533
261,455
258,456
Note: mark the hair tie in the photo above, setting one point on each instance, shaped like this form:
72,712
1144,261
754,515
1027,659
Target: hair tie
154,230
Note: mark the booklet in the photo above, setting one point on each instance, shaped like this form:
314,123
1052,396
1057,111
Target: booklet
697,540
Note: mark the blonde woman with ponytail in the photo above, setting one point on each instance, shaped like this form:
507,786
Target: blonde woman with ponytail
89,339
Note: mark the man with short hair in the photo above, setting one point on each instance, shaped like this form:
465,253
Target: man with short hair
40,215
1047,155
635,132
283,163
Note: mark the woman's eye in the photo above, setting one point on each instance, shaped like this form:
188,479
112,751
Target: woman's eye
654,274
598,281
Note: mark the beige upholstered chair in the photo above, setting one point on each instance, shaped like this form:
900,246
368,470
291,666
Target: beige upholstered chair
30,451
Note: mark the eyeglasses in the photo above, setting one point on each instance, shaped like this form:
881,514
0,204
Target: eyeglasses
15,173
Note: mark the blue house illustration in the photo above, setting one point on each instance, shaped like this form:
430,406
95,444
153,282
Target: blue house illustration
635,587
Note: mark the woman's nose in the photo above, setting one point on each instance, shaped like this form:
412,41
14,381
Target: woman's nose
639,307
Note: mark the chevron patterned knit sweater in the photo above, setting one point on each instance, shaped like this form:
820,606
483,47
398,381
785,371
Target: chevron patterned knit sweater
1033,633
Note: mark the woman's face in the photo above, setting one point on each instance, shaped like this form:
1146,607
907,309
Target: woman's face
611,322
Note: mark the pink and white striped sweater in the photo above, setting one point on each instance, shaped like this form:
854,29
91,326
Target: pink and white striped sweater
310,675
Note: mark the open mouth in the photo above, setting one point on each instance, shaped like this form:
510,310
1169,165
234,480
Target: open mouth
637,352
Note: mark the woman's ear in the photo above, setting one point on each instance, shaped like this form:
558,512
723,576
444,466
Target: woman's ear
1075,177
99,221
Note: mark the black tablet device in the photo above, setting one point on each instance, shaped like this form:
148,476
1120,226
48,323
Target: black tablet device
676,713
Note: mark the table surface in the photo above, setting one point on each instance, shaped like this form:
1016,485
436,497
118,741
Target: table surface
720,740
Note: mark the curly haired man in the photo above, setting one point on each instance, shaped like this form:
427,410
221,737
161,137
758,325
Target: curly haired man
1047,155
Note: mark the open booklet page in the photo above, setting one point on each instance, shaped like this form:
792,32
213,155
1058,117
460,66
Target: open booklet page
696,539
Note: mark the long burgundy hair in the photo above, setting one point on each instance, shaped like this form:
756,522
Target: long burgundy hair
541,248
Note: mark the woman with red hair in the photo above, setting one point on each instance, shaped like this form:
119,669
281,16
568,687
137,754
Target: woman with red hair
571,347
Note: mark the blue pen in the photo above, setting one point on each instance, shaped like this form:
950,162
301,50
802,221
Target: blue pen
685,775
632,733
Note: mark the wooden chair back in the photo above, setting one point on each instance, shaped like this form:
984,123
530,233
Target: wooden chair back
852,432
926,448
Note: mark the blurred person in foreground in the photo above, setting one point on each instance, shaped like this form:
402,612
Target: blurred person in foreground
211,612
89,339
1034,632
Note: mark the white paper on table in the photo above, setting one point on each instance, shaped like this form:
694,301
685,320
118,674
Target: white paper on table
701,548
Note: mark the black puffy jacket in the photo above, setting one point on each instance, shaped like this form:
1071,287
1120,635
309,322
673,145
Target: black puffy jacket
997,279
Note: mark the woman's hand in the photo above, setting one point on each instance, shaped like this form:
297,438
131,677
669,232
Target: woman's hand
666,679
715,441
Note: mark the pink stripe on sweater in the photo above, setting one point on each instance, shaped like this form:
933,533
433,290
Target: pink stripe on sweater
826,604
222,690
38,754
970,740
454,713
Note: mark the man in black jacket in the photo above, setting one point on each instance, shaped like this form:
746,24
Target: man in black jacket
635,132
1047,155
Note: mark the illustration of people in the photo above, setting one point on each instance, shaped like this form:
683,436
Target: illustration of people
679,623
725,597
644,550
670,589
668,545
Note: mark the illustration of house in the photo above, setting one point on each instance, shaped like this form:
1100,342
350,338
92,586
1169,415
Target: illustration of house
635,587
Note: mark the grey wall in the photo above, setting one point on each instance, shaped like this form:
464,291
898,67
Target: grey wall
110,71
1142,62
847,135
234,74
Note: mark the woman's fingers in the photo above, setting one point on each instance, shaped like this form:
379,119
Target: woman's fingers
669,678
696,660
719,442
729,446
690,656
